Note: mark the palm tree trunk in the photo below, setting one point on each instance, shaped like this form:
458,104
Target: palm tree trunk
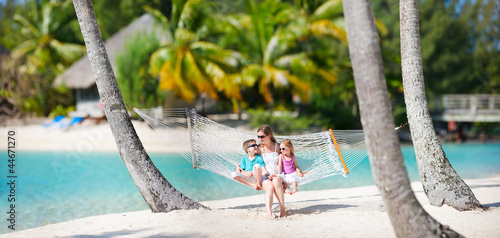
407,216
158,193
441,183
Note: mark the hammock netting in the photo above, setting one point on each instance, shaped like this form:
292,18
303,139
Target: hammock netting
218,148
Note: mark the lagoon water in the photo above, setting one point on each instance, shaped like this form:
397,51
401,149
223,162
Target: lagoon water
53,187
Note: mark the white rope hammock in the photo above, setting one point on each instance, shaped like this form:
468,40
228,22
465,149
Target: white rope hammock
212,146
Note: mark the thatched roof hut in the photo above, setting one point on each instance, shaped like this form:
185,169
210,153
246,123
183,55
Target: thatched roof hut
80,74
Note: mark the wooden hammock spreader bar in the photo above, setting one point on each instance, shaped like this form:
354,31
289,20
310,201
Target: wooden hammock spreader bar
338,151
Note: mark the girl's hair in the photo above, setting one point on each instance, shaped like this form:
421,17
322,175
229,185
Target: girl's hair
288,143
268,131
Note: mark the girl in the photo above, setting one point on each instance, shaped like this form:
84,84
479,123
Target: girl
288,165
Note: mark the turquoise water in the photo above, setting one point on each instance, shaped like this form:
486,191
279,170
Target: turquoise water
52,187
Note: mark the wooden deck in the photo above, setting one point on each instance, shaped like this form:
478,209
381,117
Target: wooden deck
466,108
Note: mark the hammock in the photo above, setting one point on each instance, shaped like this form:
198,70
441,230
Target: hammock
217,148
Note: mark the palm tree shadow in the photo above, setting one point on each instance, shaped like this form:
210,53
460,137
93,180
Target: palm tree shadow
490,205
250,206
317,209
134,233
485,186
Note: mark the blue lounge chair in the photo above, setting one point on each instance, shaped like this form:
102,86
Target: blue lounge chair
74,120
56,121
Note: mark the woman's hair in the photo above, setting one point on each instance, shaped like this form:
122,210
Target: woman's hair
288,143
268,131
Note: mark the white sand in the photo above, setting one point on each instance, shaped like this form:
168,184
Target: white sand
351,212
85,137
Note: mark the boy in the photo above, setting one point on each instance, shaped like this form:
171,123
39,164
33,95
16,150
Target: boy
249,171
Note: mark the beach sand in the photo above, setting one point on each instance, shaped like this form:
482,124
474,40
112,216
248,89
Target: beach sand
348,212
84,137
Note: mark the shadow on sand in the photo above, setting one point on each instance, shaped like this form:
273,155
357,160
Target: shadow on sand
317,209
134,233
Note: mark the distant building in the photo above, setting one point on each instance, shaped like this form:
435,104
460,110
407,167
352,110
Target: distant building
80,76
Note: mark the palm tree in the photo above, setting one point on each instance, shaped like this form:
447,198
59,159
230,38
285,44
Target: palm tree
276,42
407,216
440,181
293,46
326,19
44,30
312,30
158,193
189,64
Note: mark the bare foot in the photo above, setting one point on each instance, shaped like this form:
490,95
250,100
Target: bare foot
283,213
256,187
288,192
294,190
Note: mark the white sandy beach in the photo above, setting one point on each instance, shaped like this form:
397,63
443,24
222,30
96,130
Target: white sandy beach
350,212
85,137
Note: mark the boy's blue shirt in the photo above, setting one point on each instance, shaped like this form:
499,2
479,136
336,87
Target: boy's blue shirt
247,164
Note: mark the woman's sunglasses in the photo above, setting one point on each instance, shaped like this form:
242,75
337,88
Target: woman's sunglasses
260,137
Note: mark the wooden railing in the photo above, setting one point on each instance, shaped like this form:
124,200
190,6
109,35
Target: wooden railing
466,107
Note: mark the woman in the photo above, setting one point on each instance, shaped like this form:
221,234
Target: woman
274,184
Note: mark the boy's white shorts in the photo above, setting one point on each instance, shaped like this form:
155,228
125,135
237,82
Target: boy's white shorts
252,179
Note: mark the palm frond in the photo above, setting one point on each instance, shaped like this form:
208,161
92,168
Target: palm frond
300,87
194,73
381,27
183,36
277,77
296,63
328,76
158,58
46,15
278,45
163,20
328,28
300,64
157,14
28,27
223,82
251,74
227,59
329,10
68,52
24,48
171,78
264,90
167,76
191,11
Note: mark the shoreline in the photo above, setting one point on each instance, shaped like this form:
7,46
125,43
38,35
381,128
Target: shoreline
91,137
85,137
348,212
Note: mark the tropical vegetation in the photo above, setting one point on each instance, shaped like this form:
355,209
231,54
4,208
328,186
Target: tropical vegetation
137,86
